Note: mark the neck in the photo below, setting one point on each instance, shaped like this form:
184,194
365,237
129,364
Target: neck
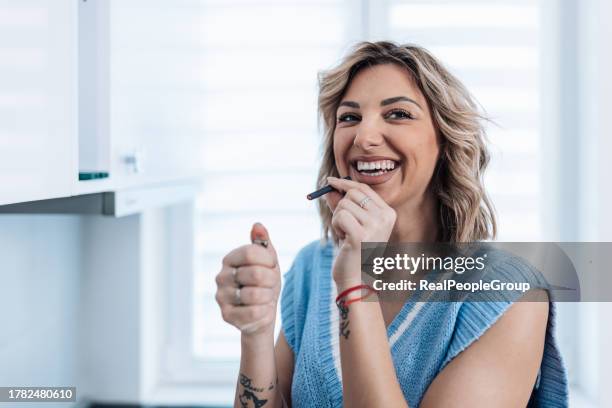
417,221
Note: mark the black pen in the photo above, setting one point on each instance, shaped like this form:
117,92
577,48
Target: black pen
323,190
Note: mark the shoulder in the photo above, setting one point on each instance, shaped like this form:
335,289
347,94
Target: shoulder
498,258
514,280
507,357
506,267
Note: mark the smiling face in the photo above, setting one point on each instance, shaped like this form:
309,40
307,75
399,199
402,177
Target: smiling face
385,136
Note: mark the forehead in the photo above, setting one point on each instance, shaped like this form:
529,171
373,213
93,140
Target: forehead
380,82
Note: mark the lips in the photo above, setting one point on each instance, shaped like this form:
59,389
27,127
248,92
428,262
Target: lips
373,170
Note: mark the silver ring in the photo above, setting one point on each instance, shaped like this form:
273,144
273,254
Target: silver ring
238,301
363,202
235,276
262,242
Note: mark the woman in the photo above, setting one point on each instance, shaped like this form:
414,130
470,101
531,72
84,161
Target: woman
410,137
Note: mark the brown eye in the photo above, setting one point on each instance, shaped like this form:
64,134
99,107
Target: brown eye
348,117
399,114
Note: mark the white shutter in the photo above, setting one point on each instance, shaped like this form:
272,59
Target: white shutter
259,126
493,48
261,144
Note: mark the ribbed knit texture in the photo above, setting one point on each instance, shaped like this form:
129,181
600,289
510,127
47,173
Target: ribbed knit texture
424,336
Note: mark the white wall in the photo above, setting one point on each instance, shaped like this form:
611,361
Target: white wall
39,295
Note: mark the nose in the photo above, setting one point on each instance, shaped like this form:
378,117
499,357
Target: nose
368,135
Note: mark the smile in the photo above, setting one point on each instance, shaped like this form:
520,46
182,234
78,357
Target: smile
374,171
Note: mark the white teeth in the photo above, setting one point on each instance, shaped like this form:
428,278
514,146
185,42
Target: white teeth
377,165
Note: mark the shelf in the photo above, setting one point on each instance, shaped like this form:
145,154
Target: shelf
113,203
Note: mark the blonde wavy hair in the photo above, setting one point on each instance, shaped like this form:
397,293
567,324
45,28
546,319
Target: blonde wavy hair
465,211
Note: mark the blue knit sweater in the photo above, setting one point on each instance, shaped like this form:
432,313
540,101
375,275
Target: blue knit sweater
423,338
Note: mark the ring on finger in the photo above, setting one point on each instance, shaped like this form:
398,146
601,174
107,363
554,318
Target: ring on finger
235,277
237,299
363,203
234,272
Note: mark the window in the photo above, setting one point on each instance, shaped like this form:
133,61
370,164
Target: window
261,143
494,49
261,140
261,154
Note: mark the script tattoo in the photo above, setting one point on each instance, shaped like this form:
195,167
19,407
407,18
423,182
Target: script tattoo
249,393
344,322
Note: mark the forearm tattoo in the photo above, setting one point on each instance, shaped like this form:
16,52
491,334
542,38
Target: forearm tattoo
249,393
344,321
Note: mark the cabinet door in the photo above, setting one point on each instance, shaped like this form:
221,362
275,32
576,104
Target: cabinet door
38,104
156,93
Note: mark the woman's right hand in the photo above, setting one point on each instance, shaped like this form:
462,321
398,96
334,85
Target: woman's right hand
254,270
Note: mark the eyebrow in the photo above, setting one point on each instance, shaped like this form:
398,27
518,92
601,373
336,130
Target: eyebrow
384,102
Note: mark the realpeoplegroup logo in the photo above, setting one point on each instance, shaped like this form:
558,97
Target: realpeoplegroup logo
449,285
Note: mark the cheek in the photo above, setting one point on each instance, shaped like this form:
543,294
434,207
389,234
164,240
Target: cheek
426,150
423,154
342,144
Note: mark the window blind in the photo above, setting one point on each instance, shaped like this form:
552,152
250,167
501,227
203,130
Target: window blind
261,143
260,139
493,47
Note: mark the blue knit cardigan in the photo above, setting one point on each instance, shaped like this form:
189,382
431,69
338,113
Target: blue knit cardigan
423,338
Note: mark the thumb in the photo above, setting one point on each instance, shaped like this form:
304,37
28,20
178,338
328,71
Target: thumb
259,235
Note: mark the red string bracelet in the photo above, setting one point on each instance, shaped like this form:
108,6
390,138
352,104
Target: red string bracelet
354,288
348,302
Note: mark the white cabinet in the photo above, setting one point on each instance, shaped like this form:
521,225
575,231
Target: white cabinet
142,89
110,88
156,95
38,99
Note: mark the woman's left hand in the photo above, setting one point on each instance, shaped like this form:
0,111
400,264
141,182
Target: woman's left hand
361,215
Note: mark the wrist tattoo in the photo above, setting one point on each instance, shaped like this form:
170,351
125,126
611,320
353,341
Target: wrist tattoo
249,393
344,321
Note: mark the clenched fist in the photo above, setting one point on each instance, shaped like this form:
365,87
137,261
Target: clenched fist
248,285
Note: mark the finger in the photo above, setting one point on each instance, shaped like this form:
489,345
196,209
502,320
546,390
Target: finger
251,254
225,277
249,295
229,275
256,275
346,185
357,196
346,222
332,199
260,236
359,213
